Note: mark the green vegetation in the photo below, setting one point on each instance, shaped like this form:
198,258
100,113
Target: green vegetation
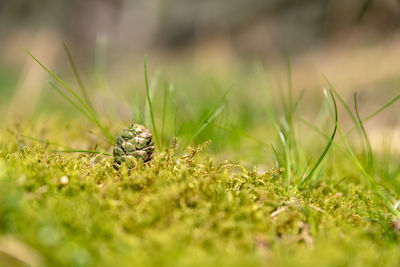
183,211
271,188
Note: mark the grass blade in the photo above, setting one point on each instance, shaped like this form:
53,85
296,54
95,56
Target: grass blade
83,151
370,179
286,146
350,155
276,157
379,110
341,100
204,124
150,104
210,116
88,109
290,88
78,77
66,149
164,112
329,144
366,139
70,100
376,112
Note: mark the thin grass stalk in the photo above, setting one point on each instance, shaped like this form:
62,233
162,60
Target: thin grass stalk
78,77
150,104
83,151
66,149
91,113
164,114
327,147
290,87
70,100
376,112
370,179
209,117
370,157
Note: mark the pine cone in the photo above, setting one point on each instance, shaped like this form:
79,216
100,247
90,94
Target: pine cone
134,142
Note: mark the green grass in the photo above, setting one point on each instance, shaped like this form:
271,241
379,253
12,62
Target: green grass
272,188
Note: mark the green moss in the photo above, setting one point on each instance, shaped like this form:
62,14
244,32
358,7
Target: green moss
181,211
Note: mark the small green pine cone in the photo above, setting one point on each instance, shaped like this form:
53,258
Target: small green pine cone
133,142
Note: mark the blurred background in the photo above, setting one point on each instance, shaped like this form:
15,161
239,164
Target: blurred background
200,48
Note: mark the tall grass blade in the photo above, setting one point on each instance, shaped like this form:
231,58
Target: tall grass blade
87,108
276,157
379,110
370,157
282,98
136,110
370,179
341,100
203,124
209,117
329,144
100,61
150,104
286,146
350,154
376,112
290,87
75,105
78,77
164,112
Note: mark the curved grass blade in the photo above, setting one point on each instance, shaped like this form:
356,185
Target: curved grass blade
286,146
210,116
327,147
376,112
370,179
87,108
66,149
276,157
164,112
70,100
372,115
204,124
290,87
350,155
78,77
341,100
150,104
379,110
366,139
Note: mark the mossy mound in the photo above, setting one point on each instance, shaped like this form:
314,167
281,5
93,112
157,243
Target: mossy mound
179,211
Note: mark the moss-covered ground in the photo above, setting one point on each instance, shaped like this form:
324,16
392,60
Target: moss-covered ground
182,209
286,181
